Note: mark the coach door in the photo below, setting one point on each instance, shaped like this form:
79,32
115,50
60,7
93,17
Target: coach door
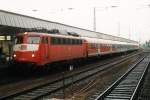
45,48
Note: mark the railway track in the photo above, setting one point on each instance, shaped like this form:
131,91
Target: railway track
52,87
126,87
144,93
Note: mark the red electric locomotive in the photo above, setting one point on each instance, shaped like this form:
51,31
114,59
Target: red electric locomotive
42,48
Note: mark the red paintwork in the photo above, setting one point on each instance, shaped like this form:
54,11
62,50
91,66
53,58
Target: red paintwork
26,56
106,48
48,53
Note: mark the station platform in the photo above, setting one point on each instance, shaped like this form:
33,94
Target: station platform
2,66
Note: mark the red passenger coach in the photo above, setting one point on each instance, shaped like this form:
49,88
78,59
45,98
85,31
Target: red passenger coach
97,46
42,48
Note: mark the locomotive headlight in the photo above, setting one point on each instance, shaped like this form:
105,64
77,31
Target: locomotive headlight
14,55
33,55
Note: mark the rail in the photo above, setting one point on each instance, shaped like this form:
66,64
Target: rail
52,87
126,86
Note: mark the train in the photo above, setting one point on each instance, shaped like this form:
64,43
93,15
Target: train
42,48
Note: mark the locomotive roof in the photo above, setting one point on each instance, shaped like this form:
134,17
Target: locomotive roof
88,39
53,35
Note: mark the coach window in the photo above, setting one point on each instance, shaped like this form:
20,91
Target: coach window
46,40
76,41
119,46
52,40
67,41
91,45
63,41
80,41
72,41
96,45
56,40
112,46
60,40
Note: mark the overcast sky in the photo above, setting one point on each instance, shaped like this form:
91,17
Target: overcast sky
128,19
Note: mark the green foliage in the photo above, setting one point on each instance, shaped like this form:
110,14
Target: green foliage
146,45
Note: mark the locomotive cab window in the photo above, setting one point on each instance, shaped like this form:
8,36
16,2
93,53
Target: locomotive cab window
33,39
45,40
19,40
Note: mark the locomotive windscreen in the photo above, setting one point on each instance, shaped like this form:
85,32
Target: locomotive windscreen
33,40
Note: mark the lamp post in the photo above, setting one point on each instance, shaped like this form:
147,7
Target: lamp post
94,15
94,20
34,10
140,32
118,28
129,32
61,10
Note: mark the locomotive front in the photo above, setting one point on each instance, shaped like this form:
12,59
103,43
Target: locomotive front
26,48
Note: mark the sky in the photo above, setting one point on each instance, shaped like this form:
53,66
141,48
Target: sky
125,18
